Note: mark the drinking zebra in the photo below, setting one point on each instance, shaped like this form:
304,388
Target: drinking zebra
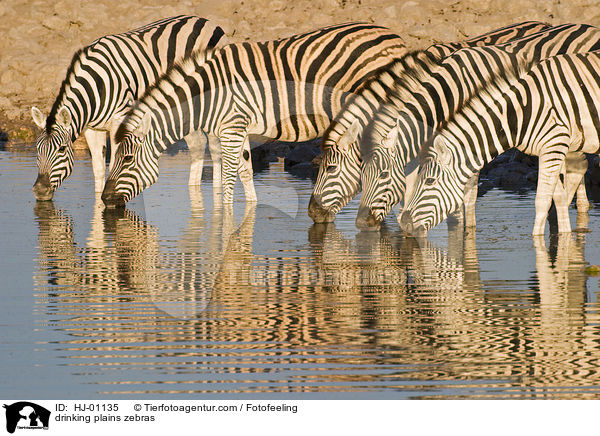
104,78
288,89
338,180
427,96
551,112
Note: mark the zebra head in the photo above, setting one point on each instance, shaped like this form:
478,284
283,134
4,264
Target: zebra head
135,167
54,152
339,177
383,182
439,190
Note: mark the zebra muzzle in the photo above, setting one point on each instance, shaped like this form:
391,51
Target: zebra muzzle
110,197
42,188
366,220
408,227
318,213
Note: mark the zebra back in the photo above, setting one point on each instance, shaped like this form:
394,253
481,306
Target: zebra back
497,36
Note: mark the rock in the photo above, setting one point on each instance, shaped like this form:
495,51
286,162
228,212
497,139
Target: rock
390,11
592,176
483,187
279,149
592,270
22,135
532,177
304,170
513,180
303,152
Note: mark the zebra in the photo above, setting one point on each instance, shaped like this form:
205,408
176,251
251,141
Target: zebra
551,111
288,89
102,81
338,180
427,96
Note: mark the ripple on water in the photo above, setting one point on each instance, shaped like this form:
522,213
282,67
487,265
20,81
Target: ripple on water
173,299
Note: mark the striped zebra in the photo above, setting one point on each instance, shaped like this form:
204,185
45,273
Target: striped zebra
550,112
428,96
338,180
288,89
102,81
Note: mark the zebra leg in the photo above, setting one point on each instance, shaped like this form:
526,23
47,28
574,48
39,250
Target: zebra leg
572,180
561,201
470,199
577,166
214,146
196,142
583,205
246,173
550,167
96,140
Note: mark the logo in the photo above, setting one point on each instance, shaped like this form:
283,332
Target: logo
26,415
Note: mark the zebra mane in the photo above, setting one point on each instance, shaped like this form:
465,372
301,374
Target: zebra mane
75,61
413,70
398,67
174,75
491,91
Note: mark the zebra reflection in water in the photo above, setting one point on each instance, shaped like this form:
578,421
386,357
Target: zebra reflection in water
422,312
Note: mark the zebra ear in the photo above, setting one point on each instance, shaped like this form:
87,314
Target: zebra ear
144,127
349,136
389,142
38,117
442,150
63,117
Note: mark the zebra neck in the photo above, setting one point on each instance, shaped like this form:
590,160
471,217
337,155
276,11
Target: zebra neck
83,93
358,109
177,103
78,110
487,127
363,105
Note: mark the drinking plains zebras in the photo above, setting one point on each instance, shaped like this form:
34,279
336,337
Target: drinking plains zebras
551,112
427,96
104,78
338,180
288,89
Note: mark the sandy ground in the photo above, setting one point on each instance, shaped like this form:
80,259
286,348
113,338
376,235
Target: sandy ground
39,37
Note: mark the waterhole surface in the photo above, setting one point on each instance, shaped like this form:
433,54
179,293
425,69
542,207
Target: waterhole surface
175,298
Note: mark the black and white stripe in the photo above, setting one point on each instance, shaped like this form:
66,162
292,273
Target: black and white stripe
338,180
427,96
104,78
551,112
288,89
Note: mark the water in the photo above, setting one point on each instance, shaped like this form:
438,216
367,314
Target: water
176,299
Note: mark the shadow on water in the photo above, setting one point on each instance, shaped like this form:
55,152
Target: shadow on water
216,312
